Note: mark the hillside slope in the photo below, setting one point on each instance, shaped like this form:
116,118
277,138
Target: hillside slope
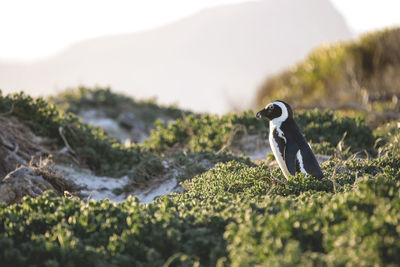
229,212
210,61
362,75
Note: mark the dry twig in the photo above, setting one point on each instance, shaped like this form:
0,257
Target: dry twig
61,131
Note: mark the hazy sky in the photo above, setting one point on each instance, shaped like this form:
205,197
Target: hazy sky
33,29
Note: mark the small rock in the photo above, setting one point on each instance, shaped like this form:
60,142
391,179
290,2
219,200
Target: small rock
34,181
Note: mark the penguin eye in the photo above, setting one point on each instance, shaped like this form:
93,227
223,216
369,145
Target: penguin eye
271,107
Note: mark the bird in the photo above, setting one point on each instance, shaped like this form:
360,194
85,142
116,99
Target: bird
288,144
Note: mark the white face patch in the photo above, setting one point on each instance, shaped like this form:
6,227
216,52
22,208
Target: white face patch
278,121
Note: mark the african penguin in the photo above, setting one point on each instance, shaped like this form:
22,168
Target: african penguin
289,146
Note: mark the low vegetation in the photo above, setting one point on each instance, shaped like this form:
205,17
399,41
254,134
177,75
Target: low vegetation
90,144
204,132
232,211
235,214
212,132
95,149
78,100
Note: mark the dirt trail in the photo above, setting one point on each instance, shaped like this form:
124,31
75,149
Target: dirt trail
25,169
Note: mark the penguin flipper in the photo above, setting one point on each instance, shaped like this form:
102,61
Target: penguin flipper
290,156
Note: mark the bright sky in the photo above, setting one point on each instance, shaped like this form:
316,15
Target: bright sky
33,29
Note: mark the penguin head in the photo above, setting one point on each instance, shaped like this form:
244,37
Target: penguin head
276,111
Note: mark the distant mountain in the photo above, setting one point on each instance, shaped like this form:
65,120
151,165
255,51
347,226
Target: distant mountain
211,61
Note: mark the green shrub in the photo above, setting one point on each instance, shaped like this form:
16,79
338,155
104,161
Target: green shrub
235,214
104,155
44,119
351,228
388,138
51,231
204,132
195,163
212,132
326,126
112,104
234,178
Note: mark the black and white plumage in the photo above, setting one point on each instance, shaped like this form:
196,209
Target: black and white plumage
289,146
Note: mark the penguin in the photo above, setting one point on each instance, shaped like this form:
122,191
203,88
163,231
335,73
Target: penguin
288,144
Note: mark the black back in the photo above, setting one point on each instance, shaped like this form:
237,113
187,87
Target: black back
295,138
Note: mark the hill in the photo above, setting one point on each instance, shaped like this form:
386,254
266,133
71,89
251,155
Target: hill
361,75
211,61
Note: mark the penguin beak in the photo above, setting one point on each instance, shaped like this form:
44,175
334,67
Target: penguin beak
261,113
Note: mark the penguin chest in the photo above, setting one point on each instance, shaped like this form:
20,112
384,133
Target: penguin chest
277,141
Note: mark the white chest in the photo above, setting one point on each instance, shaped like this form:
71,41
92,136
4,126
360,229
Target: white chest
275,148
